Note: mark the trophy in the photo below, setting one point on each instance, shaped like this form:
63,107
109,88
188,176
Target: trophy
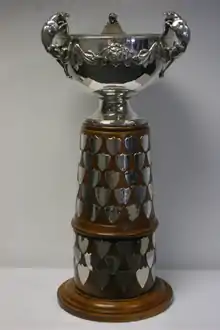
114,223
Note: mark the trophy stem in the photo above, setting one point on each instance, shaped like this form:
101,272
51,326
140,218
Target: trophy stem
115,110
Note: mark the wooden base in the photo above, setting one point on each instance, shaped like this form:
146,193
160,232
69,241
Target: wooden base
154,302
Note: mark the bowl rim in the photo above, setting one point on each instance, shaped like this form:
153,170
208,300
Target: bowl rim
117,36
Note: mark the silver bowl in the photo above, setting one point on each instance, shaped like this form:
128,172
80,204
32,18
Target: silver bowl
117,61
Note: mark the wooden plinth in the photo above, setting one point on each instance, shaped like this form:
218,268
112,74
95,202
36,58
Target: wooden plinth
77,303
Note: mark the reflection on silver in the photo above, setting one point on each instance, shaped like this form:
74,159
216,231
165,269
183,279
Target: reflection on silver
95,143
87,159
83,190
103,161
150,258
102,247
149,157
131,143
83,243
113,213
102,195
147,208
153,272
142,276
115,53
154,240
123,161
79,207
83,273
56,39
140,193
122,195
133,211
109,64
77,255
131,178
83,140
113,145
177,44
144,245
150,190
80,174
95,177
139,160
95,212
145,142
112,178
146,175
87,257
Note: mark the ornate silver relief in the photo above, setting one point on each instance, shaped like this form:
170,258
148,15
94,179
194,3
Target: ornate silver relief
115,53
57,41
171,50
149,54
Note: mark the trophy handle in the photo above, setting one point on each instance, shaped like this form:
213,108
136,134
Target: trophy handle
56,39
174,40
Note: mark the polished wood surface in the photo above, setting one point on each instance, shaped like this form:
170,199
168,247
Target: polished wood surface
92,229
156,301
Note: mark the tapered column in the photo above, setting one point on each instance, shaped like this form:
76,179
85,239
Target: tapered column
114,252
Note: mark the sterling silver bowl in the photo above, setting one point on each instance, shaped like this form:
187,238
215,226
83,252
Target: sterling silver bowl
114,60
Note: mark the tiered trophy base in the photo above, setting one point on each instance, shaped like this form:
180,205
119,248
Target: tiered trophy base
77,303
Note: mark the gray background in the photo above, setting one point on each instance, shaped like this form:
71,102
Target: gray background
40,116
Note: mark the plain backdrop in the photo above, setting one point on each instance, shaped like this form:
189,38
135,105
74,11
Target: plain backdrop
40,116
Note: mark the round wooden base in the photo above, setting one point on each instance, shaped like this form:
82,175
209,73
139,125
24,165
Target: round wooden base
154,302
